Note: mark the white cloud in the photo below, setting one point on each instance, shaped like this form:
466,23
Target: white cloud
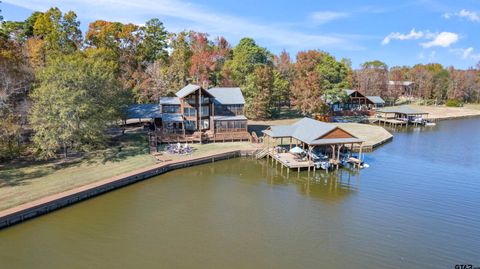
178,15
322,17
466,14
399,36
443,39
466,54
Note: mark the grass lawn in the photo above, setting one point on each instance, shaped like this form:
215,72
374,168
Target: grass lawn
27,181
444,112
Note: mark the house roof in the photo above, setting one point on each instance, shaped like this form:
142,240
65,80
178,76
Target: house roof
227,96
169,101
403,83
401,110
308,131
143,111
238,117
376,99
349,92
187,90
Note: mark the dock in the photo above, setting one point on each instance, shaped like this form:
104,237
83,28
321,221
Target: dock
289,161
389,122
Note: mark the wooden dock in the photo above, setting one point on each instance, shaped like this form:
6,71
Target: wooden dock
289,161
389,122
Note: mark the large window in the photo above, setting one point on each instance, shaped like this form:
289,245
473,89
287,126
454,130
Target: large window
189,111
205,124
190,125
170,109
205,111
228,110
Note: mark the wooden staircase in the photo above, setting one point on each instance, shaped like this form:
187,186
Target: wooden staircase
261,154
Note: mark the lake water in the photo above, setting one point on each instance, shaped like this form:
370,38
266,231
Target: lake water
417,206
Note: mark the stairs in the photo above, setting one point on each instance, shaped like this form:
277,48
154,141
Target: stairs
261,154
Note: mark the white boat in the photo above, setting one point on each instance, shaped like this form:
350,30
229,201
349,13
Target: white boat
429,123
323,165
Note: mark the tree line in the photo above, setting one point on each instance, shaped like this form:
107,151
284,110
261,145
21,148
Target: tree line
64,89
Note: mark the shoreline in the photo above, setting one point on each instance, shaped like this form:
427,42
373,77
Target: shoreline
44,205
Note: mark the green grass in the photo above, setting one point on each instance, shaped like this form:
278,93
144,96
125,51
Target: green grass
27,181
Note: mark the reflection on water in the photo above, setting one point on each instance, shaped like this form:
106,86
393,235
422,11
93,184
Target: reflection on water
417,206
333,185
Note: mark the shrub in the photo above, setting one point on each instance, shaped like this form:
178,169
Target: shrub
454,103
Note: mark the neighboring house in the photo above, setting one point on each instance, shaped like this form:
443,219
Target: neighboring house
403,88
356,101
377,101
196,114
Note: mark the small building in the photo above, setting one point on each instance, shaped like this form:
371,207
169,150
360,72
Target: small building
377,101
196,114
321,142
401,115
355,101
403,88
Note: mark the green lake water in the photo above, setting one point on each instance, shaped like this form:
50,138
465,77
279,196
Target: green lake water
417,206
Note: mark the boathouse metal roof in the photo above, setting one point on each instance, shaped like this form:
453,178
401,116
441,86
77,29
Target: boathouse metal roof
404,109
143,111
227,96
169,101
376,99
309,131
238,117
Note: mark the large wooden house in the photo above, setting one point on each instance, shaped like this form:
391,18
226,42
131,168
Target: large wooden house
356,101
197,114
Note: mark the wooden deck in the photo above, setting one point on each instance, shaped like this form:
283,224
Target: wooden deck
198,137
389,122
290,161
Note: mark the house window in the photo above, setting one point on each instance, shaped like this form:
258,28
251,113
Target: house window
189,111
170,109
205,111
190,125
205,124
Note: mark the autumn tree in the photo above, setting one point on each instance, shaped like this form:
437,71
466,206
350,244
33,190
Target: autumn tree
317,73
284,76
258,92
372,78
75,102
202,60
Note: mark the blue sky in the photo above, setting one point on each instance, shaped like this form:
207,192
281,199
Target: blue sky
396,32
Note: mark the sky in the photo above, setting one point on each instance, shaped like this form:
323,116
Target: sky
395,32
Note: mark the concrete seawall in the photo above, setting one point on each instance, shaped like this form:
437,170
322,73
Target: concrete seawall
50,203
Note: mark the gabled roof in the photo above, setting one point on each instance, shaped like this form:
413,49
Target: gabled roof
227,96
401,110
309,131
169,101
143,111
349,92
376,99
187,90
